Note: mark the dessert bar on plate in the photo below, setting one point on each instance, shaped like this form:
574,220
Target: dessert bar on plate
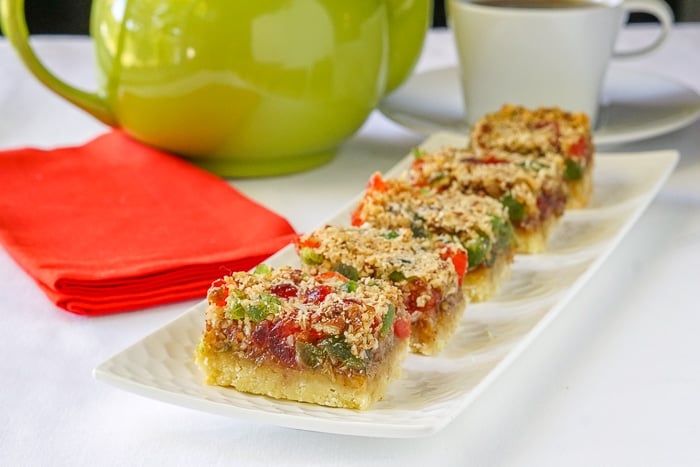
548,132
286,334
478,224
532,190
429,277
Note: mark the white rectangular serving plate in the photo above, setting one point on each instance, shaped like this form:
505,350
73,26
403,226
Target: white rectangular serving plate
431,391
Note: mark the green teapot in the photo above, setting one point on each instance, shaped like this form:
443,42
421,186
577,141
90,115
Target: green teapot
242,88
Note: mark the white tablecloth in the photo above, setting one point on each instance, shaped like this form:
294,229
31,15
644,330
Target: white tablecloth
614,380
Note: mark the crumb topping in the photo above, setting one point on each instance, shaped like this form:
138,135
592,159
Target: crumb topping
532,189
302,319
472,221
535,132
426,275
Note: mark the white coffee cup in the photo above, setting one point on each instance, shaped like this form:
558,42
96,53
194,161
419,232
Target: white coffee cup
550,53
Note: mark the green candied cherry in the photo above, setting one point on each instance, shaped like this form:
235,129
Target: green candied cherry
347,270
233,308
573,170
338,348
388,320
309,355
397,276
477,250
516,209
310,256
265,306
392,234
503,231
418,153
262,269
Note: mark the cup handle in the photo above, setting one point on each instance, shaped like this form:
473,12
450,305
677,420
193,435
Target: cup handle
656,8
14,26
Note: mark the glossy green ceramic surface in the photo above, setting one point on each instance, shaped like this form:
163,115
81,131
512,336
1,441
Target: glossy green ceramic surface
408,22
243,88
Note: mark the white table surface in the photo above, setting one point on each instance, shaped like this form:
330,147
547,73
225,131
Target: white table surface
614,380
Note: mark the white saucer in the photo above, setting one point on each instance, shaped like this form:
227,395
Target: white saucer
636,105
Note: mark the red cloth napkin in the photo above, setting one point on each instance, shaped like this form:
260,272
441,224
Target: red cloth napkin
115,225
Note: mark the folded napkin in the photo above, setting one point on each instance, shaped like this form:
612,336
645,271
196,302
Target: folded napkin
114,225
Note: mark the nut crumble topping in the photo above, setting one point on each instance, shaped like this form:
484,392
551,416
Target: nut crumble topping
299,307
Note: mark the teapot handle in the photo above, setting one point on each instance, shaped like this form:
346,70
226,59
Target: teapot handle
14,26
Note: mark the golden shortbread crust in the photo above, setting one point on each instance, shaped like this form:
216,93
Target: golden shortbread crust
304,385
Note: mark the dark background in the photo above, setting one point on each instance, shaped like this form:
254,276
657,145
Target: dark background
684,10
72,16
